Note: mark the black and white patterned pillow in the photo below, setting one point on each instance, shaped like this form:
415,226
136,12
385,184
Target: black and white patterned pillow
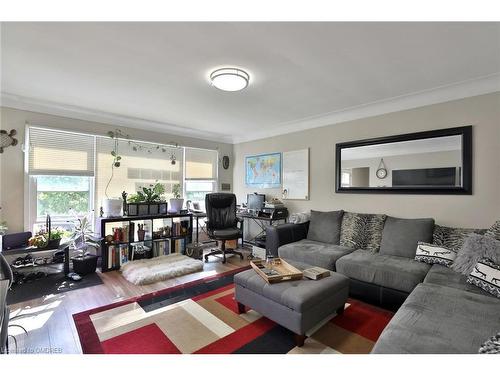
362,231
452,238
494,231
491,346
433,254
486,275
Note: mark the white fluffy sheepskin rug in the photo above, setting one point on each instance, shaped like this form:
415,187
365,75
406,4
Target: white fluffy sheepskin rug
148,271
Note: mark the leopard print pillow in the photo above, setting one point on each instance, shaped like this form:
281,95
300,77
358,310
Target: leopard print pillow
452,238
362,231
494,231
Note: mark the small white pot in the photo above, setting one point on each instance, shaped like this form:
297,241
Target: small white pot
112,207
176,205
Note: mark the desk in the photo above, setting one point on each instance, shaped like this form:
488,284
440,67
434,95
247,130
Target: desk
262,222
197,216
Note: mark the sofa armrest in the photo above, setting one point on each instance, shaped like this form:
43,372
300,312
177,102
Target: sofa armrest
282,234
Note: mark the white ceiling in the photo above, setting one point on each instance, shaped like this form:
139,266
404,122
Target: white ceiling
154,75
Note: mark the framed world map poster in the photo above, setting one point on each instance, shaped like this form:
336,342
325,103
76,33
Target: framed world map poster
263,171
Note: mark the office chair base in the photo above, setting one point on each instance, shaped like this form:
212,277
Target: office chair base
223,253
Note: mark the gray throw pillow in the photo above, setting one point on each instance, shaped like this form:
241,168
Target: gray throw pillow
452,238
494,231
400,236
362,231
475,247
325,226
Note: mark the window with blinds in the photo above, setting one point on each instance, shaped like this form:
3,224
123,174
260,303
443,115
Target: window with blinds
60,153
201,164
139,168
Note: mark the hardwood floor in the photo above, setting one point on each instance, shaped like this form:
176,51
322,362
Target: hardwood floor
51,328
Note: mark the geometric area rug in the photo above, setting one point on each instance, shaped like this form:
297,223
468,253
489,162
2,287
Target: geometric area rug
201,317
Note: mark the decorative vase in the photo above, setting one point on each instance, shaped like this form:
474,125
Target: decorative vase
141,234
176,204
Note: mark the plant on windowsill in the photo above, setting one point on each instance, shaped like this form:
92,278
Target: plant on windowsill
176,202
82,240
148,201
42,239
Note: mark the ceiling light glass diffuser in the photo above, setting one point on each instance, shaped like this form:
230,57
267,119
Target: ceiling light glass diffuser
229,79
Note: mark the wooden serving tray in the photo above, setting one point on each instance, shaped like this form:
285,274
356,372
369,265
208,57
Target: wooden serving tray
286,271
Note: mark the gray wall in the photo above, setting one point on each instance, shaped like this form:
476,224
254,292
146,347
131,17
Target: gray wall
12,160
478,210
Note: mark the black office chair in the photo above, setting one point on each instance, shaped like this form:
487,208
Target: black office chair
222,223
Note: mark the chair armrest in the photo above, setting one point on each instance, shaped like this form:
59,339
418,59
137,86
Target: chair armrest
280,235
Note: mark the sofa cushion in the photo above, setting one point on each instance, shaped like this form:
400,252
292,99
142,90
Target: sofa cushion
445,276
491,346
452,238
315,253
393,272
434,254
494,231
486,275
475,247
362,231
400,236
325,226
438,319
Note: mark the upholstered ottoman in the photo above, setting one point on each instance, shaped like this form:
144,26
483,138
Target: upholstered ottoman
297,305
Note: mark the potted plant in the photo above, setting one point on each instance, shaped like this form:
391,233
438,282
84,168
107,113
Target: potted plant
176,202
148,201
50,240
83,239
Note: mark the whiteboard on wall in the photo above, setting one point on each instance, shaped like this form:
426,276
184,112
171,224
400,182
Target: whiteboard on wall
296,174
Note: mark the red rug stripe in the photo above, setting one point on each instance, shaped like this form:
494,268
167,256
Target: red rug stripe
230,303
85,328
363,319
237,339
87,334
149,339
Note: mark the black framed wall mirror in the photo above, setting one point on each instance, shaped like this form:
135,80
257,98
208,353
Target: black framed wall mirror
431,162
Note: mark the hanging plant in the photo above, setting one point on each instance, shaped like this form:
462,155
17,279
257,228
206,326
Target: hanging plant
116,157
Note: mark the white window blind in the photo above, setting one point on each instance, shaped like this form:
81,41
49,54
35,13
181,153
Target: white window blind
201,164
59,153
138,168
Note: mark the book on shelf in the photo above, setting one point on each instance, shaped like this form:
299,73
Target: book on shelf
161,248
180,246
117,255
180,228
123,254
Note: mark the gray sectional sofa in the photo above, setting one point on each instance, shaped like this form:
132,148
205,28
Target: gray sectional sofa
437,311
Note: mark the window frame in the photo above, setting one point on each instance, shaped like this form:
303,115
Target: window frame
30,184
33,204
215,182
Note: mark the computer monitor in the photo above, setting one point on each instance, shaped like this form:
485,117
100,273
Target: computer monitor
255,201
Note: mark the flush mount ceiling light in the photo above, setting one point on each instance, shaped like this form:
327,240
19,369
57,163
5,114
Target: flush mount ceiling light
229,79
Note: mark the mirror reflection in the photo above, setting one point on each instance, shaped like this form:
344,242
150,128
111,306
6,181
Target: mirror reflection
431,162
